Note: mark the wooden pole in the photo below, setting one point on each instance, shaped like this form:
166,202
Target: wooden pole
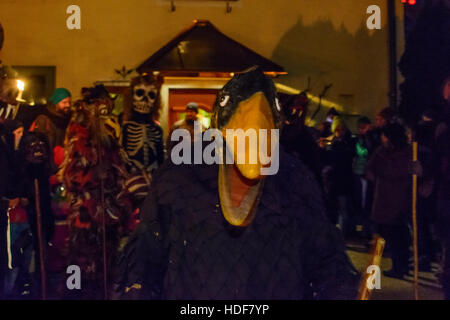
105,257
414,220
40,241
375,260
102,202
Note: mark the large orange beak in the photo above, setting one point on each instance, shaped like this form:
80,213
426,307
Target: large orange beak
240,183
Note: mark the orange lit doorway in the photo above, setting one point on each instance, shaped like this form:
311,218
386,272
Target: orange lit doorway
179,98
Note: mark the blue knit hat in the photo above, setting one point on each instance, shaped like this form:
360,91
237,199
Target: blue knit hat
59,94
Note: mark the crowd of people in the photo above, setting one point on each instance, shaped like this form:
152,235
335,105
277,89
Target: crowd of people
59,151
365,177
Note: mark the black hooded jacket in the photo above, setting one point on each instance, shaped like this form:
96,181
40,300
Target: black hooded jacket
184,248
7,185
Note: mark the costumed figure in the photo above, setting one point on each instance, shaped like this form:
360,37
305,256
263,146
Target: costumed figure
32,181
18,239
8,200
226,231
142,137
94,175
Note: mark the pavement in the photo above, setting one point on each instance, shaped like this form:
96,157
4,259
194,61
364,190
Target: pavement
396,289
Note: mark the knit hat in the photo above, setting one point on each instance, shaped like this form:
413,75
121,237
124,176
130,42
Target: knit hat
59,94
192,106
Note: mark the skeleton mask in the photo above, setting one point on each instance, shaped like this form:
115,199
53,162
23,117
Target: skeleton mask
144,97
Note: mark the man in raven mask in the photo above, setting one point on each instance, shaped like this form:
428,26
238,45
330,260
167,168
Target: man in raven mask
227,232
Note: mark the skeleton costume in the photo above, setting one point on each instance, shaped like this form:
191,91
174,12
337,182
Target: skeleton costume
141,135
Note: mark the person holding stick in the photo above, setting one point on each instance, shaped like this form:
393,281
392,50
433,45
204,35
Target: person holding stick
441,155
33,161
391,167
423,134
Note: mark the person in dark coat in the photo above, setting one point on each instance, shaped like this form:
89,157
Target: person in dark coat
217,232
363,189
188,123
6,164
53,122
296,137
19,244
390,167
33,164
423,133
337,155
33,159
442,163
384,116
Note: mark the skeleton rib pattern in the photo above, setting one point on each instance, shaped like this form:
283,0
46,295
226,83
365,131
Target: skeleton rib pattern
143,138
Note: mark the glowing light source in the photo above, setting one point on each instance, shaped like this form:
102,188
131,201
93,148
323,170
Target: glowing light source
20,85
